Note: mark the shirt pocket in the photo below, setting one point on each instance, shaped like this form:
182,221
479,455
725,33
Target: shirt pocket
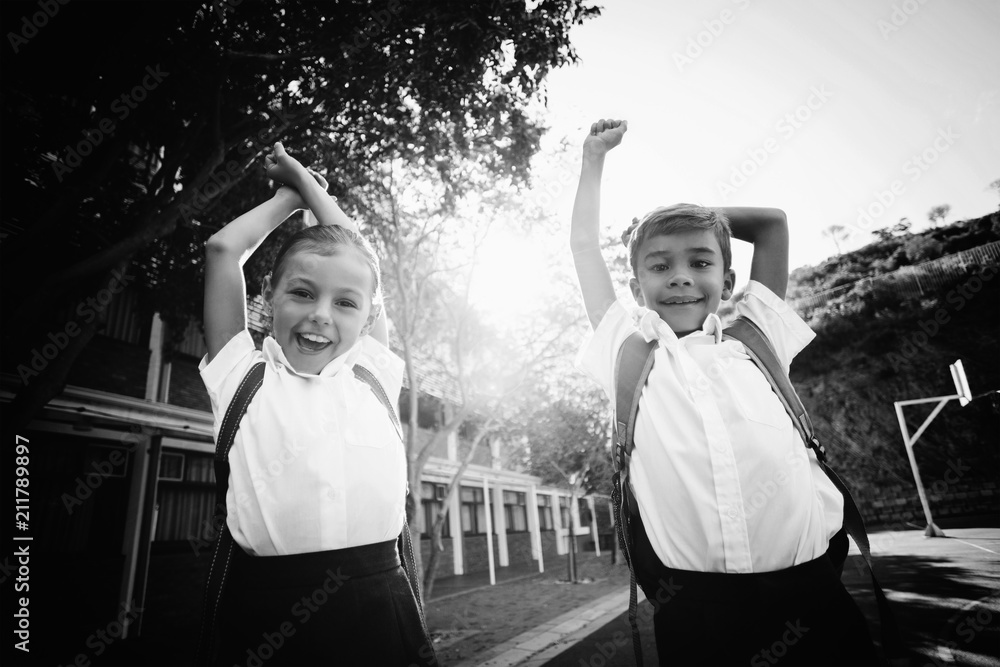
370,427
757,402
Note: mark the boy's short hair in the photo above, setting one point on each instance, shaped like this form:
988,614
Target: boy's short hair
674,219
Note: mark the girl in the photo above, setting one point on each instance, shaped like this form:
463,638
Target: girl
308,563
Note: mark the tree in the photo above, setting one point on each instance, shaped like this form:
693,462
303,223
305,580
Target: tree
564,431
124,166
429,256
898,229
836,233
938,213
994,186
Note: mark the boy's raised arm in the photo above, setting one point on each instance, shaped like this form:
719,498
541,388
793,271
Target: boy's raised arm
591,270
767,230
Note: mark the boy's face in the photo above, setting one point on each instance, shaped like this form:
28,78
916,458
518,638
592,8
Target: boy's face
681,277
321,305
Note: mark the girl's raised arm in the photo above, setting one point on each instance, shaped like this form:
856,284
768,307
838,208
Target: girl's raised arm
225,253
284,168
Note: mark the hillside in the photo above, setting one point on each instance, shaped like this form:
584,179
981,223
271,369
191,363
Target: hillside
877,344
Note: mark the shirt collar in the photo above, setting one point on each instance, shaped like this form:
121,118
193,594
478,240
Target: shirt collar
653,327
274,355
713,327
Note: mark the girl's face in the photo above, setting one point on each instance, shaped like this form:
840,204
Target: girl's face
320,306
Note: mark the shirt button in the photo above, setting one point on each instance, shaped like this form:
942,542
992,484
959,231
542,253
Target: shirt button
733,513
719,446
332,494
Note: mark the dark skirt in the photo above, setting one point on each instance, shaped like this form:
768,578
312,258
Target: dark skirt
799,616
343,607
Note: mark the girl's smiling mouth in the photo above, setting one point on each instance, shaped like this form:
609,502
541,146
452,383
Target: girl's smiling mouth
311,343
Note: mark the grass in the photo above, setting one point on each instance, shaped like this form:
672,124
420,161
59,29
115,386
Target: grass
466,625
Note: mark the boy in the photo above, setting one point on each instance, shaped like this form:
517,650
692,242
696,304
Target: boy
735,515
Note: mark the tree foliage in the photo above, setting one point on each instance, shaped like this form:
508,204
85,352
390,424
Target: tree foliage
887,233
140,126
938,213
836,233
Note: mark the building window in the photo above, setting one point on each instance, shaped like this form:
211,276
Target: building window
473,511
185,496
516,511
201,469
171,467
545,512
583,508
564,511
432,499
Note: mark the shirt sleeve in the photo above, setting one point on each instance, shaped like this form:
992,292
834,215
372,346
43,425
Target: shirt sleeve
384,364
788,332
599,349
223,374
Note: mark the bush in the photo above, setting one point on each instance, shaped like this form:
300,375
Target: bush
923,248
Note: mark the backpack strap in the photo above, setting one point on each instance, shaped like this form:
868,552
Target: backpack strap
224,545
635,360
766,359
404,543
368,378
762,353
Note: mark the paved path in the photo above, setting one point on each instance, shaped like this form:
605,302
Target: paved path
945,594
548,640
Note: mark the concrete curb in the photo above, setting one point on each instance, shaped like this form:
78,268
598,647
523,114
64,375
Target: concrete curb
535,647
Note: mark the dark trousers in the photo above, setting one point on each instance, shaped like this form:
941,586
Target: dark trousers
799,616
343,607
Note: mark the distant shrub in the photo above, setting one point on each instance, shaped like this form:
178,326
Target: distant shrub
923,248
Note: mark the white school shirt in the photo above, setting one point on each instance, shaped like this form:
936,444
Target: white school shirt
721,476
316,463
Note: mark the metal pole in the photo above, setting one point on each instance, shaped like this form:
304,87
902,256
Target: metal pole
489,531
931,530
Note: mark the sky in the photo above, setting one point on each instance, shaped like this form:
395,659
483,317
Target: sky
854,113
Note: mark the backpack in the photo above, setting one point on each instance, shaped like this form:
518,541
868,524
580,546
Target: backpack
225,544
632,366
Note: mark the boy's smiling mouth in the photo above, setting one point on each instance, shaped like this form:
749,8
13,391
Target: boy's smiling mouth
681,300
310,342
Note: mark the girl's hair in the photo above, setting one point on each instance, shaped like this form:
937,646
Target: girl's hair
325,240
675,219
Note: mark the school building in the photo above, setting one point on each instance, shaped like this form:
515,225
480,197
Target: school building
122,489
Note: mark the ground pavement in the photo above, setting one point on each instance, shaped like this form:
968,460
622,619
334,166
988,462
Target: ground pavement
945,593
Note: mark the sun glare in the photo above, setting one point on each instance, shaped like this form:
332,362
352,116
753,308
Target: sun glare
511,275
